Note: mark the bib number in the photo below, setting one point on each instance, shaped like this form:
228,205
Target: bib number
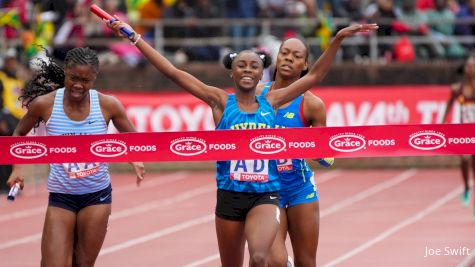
284,165
250,170
468,113
81,170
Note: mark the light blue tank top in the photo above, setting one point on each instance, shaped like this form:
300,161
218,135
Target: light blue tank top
251,176
77,178
292,171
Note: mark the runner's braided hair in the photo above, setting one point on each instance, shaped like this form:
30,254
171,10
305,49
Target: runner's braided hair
50,75
82,56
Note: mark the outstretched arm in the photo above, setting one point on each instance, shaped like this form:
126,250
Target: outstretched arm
211,95
319,69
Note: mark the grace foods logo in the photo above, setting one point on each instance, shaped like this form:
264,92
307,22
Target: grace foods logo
28,150
267,144
347,142
427,140
108,148
188,146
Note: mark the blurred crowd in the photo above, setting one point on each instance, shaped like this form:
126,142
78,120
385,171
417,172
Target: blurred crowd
35,25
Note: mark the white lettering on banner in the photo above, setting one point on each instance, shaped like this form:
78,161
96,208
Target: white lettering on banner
171,118
347,142
28,150
222,146
62,150
143,148
188,146
379,113
140,116
108,148
427,140
431,111
381,142
302,144
267,144
461,140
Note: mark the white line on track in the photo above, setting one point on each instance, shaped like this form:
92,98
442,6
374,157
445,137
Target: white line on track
157,234
409,221
369,192
149,183
337,206
127,212
468,261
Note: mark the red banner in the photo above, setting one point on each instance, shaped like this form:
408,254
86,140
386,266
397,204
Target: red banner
346,106
340,142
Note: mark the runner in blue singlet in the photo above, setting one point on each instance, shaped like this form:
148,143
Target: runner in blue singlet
298,195
247,196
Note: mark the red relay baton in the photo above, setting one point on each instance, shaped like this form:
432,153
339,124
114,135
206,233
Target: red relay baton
104,15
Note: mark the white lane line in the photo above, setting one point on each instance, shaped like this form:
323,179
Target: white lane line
337,206
407,222
327,176
468,261
20,241
128,212
153,182
369,192
157,234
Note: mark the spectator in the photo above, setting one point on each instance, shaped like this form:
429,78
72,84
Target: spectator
382,12
242,9
10,106
442,25
414,22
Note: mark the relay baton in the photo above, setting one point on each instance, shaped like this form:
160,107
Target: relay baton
104,15
13,192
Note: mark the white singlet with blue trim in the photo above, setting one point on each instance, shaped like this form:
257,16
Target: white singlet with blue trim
77,178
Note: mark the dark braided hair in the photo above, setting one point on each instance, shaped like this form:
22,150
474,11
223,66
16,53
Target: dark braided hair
82,56
229,58
49,77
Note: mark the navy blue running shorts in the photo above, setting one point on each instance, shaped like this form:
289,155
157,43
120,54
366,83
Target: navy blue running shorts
75,203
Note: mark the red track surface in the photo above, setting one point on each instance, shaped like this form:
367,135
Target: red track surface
368,218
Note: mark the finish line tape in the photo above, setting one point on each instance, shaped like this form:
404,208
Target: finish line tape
338,142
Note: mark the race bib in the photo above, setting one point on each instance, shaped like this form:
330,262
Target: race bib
81,170
468,113
284,165
249,170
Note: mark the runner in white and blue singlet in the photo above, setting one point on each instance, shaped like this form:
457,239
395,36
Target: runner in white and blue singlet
77,178
80,194
245,210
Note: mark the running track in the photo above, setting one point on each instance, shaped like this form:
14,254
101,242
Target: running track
368,218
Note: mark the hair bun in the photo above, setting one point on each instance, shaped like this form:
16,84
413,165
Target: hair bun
265,57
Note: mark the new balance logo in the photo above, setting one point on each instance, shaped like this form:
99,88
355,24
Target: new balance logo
289,115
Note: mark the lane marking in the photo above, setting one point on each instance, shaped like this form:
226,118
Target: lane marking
407,222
